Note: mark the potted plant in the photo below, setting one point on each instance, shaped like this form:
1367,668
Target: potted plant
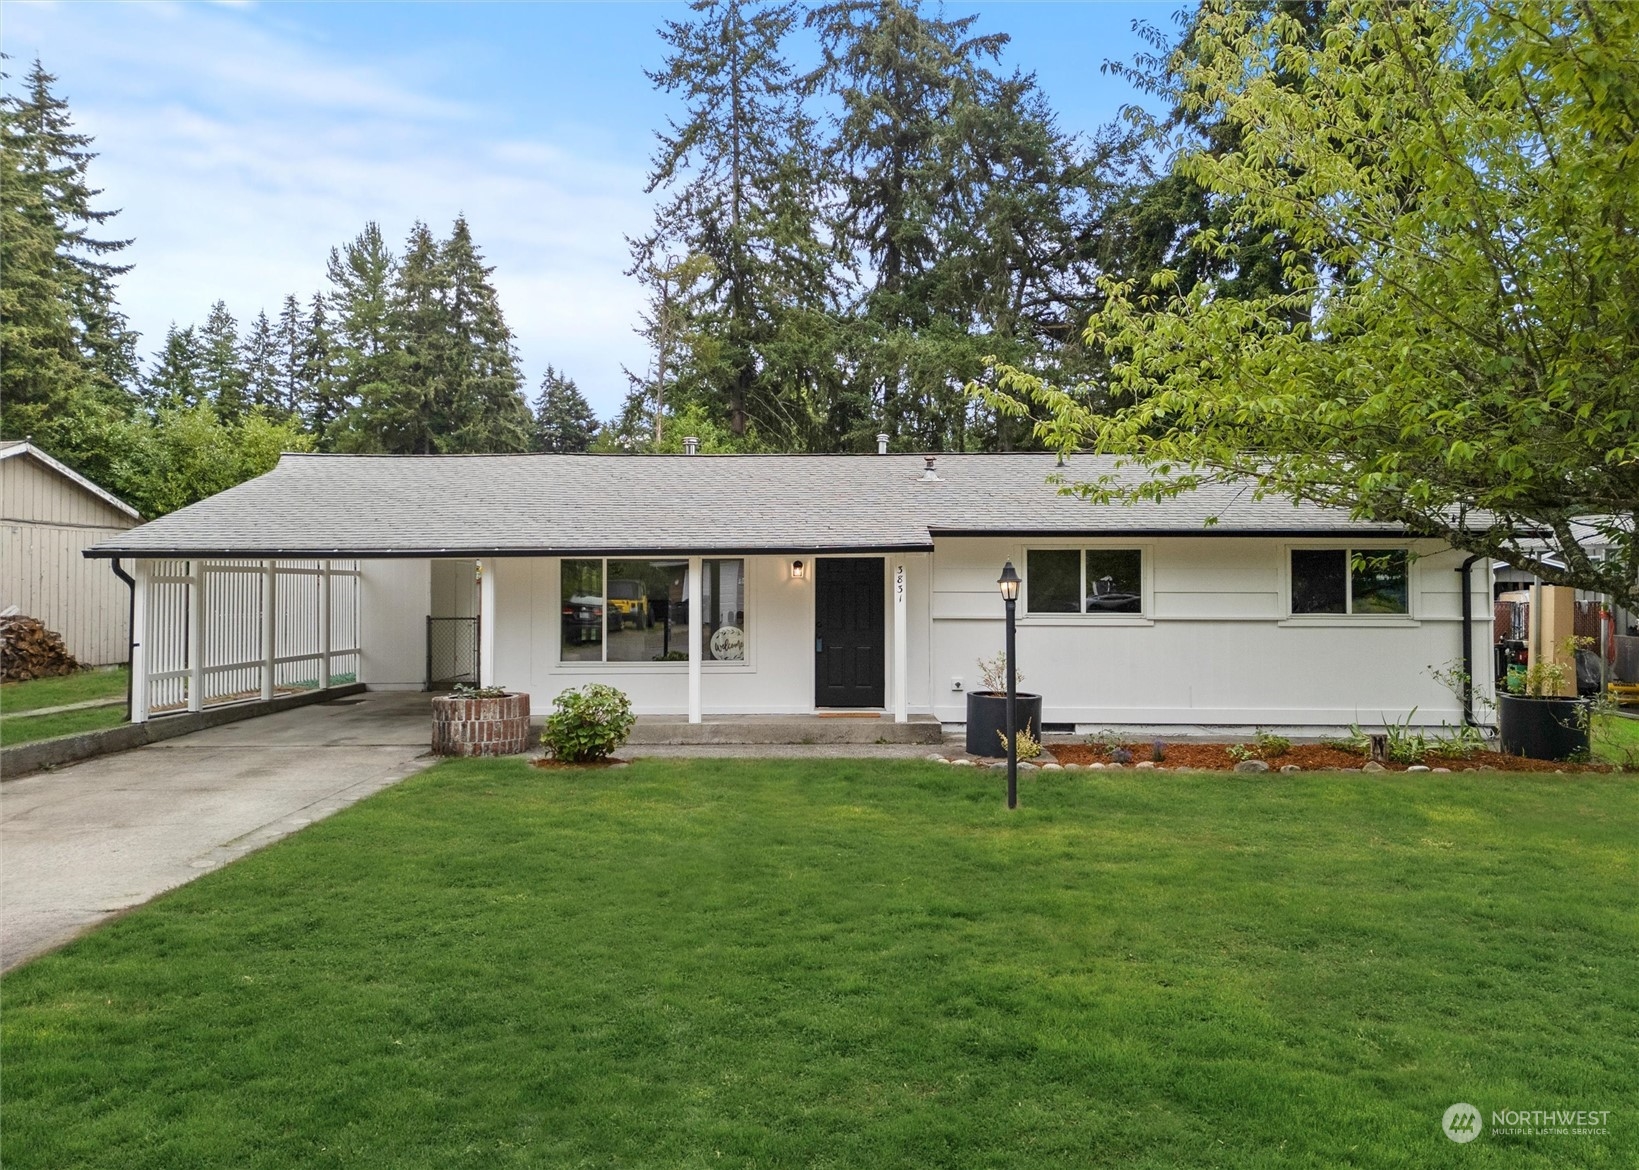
1540,723
480,721
987,710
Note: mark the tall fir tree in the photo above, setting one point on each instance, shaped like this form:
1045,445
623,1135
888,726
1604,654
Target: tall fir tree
261,365
367,359
177,380
222,376
564,421
743,178
65,351
291,347
458,389
320,405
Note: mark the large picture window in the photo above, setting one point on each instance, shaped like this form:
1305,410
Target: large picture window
637,610
1091,581
1350,581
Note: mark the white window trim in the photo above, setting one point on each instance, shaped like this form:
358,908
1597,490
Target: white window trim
746,665
1146,589
1409,619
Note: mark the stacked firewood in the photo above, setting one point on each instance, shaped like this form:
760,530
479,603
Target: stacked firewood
29,650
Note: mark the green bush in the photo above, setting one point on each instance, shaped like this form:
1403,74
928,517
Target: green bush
587,724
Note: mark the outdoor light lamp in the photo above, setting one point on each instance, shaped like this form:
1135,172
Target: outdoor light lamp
796,570
1008,583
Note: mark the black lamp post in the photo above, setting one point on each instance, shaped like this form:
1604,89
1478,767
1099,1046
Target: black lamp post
1008,583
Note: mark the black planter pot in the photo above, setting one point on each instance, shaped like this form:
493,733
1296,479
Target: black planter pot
1542,729
987,721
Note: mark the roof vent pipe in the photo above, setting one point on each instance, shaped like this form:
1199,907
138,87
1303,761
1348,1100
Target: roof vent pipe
882,443
691,445
927,470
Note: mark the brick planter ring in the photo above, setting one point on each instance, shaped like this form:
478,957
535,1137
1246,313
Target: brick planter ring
480,727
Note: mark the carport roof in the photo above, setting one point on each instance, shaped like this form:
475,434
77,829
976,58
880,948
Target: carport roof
501,505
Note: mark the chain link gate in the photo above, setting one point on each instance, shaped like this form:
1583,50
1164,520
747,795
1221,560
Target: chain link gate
452,652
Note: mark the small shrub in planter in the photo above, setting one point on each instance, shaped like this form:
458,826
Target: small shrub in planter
587,724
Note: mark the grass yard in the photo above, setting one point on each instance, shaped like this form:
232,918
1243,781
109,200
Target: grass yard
1615,739
855,964
17,700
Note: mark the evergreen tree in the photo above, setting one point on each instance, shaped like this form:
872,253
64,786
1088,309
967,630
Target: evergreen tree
458,388
366,358
222,379
261,365
178,378
564,420
744,178
65,354
321,404
291,348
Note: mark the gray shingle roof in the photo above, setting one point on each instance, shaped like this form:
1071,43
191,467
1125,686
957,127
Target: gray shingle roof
379,505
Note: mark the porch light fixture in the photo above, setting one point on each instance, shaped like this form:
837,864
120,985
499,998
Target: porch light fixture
1008,583
797,571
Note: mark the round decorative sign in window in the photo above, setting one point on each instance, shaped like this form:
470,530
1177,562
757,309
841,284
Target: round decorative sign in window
728,644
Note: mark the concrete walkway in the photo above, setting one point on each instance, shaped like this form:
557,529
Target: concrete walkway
87,841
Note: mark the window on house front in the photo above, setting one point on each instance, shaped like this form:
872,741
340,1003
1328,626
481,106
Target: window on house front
1093,581
637,610
1350,581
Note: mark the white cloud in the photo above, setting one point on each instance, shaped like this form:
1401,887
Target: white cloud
241,153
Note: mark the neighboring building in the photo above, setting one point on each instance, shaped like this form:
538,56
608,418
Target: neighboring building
49,514
730,585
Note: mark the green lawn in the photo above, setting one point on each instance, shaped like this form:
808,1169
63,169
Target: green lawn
1615,739
15,698
18,699
853,964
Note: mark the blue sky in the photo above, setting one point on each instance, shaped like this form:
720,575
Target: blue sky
243,141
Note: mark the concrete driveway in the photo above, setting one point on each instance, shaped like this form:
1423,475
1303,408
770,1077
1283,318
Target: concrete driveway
87,841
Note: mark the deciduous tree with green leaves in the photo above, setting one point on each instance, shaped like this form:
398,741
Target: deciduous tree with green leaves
1458,350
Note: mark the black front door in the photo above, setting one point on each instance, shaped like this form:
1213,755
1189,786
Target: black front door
848,634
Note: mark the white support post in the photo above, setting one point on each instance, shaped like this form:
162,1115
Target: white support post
139,635
697,616
324,624
901,649
270,641
486,622
196,628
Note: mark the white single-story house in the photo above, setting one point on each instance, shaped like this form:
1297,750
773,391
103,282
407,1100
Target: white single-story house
712,586
49,514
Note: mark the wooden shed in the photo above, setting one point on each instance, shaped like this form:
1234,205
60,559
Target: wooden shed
48,514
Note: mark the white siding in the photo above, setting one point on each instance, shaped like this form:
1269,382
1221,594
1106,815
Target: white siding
1214,647
395,597
777,676
45,522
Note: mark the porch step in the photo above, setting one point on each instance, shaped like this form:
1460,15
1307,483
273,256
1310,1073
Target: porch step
653,730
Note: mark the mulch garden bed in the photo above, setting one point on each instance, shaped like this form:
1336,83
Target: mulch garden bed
548,763
1310,757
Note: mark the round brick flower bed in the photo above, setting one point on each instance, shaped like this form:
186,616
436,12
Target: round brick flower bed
480,727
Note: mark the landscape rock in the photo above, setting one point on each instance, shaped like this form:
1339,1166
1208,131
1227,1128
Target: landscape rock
962,763
1052,767
1145,764
936,758
1442,769
1373,766
1418,768
1251,766
1290,768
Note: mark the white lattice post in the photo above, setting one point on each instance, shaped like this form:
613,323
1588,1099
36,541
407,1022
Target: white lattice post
324,624
196,635
139,636
697,617
270,629
901,649
486,622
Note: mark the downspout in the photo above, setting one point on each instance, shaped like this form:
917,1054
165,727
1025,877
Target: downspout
130,630
1466,570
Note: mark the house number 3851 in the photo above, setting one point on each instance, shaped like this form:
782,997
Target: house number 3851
899,584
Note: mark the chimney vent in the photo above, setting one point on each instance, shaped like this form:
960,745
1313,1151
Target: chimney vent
927,471
691,445
882,443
